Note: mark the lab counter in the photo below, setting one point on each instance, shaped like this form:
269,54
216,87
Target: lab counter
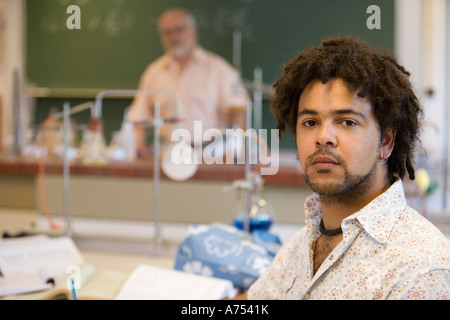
289,174
125,191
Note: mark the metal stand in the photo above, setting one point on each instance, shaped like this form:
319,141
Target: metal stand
67,112
257,98
66,170
254,111
248,178
157,124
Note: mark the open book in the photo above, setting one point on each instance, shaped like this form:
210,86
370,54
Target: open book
154,283
39,267
35,263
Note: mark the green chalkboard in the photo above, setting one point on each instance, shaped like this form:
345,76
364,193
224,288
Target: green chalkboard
118,38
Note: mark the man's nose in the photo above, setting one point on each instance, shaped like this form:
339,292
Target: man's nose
326,135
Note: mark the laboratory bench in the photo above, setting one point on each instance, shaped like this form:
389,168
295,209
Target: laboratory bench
125,190
289,173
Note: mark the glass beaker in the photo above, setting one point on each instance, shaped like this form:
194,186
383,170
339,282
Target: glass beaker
94,153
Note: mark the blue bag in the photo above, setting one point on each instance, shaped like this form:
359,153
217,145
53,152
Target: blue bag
225,252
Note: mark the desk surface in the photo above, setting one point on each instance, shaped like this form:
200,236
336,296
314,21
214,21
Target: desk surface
289,173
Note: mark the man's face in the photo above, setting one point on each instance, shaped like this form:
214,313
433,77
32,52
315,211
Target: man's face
338,139
178,36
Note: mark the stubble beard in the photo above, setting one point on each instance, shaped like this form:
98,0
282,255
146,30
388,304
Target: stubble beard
351,188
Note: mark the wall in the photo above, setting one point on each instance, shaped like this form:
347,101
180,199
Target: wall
13,53
421,42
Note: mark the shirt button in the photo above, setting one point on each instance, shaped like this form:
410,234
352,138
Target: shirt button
307,296
331,257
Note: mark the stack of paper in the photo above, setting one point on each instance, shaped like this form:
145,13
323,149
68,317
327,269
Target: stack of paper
153,283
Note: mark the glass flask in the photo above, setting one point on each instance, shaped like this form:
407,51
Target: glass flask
261,214
94,146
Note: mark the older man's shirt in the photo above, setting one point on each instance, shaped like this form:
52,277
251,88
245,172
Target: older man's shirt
388,251
204,87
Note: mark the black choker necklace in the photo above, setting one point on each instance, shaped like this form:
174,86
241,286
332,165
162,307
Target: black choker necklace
328,232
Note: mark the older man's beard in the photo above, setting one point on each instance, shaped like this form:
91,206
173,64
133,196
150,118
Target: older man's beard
180,52
352,188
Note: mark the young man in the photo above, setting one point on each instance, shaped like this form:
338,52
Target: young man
356,121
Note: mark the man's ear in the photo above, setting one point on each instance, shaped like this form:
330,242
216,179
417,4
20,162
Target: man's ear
387,143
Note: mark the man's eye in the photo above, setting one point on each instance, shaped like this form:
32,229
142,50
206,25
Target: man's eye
309,123
349,123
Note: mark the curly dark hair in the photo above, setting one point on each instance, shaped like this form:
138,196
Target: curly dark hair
372,73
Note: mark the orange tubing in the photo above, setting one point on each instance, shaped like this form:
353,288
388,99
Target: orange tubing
41,174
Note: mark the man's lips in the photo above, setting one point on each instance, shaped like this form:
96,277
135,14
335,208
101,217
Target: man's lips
323,159
324,163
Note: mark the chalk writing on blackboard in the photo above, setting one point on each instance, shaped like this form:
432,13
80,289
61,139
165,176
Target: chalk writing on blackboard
226,19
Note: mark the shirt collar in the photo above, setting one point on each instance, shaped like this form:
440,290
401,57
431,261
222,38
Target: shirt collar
198,55
377,218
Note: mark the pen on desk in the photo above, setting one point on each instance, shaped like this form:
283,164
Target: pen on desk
74,296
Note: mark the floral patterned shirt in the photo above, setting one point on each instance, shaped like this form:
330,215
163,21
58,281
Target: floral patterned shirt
388,251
